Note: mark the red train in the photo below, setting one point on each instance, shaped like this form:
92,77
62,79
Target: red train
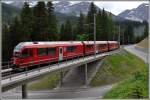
28,54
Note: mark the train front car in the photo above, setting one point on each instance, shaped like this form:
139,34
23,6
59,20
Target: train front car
17,55
29,54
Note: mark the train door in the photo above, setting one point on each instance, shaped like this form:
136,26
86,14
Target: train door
60,53
96,47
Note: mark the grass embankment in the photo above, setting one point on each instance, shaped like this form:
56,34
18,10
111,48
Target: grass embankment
143,43
128,71
47,82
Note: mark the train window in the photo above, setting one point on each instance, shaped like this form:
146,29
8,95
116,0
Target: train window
25,53
42,51
102,45
89,46
16,54
60,51
51,51
71,48
30,52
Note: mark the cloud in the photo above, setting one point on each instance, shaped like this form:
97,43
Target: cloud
8,2
114,7
117,7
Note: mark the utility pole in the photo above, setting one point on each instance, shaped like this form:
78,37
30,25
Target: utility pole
0,48
119,35
123,39
113,37
71,34
128,39
94,37
94,34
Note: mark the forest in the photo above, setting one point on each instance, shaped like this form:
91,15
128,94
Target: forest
39,23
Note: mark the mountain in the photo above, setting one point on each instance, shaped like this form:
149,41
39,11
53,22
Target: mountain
137,14
62,6
9,12
74,9
62,17
18,4
68,8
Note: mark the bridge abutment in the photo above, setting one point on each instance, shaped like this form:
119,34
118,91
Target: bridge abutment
61,77
86,74
24,91
80,75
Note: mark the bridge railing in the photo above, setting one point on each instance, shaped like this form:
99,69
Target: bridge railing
16,79
39,67
6,64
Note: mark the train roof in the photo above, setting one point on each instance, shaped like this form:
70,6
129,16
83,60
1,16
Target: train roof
97,42
112,41
41,43
48,43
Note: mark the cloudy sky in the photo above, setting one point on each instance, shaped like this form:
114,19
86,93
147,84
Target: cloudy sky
114,7
117,7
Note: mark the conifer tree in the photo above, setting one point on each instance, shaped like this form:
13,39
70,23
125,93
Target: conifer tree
40,24
15,35
110,27
104,35
67,35
80,24
26,22
52,22
90,20
129,34
146,29
62,31
99,25
6,43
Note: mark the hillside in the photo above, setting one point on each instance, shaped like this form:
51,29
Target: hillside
68,8
143,43
61,17
9,12
137,14
127,72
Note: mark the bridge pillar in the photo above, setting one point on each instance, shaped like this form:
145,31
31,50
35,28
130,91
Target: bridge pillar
24,91
86,75
61,77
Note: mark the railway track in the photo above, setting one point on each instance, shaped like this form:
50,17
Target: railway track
8,72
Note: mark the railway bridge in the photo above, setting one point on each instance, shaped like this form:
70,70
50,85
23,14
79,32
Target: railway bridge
13,80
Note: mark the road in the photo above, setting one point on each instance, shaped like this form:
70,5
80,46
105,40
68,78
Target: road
76,93
139,53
